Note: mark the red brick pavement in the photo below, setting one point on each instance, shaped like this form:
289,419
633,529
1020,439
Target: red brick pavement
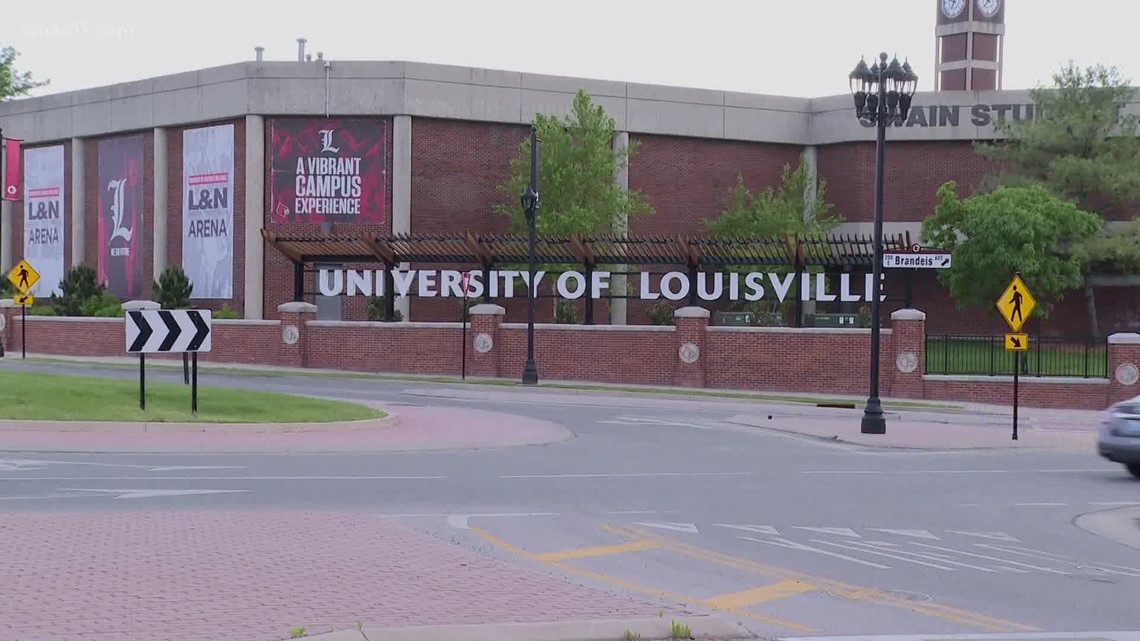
204,576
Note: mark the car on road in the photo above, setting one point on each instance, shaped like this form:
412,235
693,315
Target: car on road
1119,437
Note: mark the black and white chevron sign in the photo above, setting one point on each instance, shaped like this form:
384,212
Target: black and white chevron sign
168,331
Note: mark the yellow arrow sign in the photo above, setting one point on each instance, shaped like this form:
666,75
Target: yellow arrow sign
1017,342
23,276
25,300
1016,303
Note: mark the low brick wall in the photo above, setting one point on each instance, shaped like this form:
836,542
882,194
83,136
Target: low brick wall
807,361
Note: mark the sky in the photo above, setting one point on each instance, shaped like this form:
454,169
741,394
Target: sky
802,48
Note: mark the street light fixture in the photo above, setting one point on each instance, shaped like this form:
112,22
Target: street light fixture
529,200
882,95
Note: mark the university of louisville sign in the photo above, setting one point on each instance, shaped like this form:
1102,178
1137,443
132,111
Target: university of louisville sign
571,285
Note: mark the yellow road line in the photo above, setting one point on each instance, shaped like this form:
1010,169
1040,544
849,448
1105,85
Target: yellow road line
770,592
854,592
630,585
601,550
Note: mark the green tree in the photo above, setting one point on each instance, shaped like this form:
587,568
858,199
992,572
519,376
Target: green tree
14,84
994,235
78,286
173,288
798,207
1083,147
577,165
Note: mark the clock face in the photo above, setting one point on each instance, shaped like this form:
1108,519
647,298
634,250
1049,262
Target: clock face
989,7
953,8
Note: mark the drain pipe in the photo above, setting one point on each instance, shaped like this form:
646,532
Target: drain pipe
321,57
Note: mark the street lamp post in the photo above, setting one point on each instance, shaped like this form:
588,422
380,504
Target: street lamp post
530,204
882,97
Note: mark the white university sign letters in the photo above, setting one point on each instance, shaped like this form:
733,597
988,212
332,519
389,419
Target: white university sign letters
43,217
753,286
208,210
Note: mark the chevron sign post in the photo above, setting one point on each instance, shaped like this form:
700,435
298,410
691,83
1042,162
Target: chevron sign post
168,331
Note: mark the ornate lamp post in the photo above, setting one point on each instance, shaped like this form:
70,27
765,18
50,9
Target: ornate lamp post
882,97
530,204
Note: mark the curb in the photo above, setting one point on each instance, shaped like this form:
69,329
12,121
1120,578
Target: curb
649,629
104,427
1121,525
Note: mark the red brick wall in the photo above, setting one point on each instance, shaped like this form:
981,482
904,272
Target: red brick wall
914,172
174,198
91,206
19,206
604,355
1045,393
279,270
385,347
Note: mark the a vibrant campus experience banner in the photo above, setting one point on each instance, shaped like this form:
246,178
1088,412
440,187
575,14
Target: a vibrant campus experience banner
328,169
208,210
43,217
121,221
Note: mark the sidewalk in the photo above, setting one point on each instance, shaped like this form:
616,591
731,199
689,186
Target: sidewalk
255,576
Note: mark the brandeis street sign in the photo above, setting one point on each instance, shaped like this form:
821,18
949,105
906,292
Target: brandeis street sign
168,331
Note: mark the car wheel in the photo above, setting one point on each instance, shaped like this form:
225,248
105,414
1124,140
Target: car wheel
1134,468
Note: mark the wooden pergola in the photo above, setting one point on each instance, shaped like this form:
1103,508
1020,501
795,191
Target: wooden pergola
837,252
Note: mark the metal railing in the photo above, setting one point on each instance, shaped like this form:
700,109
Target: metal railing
1046,356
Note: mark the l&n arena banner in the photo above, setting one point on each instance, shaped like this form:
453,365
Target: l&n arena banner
329,169
208,210
121,220
43,217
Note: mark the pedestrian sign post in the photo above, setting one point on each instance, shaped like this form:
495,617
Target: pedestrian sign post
1016,342
24,277
1016,304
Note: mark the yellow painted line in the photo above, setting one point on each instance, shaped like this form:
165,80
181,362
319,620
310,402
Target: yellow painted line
838,588
630,585
601,550
770,592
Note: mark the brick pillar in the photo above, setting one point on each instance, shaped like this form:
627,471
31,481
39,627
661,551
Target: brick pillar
482,345
692,327
11,318
294,327
1123,367
906,358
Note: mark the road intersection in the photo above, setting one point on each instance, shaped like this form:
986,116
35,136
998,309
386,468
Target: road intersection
671,503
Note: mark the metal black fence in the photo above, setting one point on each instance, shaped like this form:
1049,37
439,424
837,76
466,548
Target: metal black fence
1046,356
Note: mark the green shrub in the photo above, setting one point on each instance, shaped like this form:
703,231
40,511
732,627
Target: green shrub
173,289
41,310
103,305
661,312
566,312
225,313
375,311
77,287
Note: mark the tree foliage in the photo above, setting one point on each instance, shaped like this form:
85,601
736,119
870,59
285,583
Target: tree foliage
13,83
789,209
577,165
173,288
994,235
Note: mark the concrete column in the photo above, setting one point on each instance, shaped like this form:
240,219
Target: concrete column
6,244
811,191
692,327
619,314
160,195
254,217
78,190
906,356
402,191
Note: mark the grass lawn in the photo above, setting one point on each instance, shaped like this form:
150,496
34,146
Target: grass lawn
53,397
985,355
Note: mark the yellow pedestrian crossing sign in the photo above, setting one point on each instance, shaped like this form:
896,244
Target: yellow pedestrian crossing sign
23,276
1016,303
1017,342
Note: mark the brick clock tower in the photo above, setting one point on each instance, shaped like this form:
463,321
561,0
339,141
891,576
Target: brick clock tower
970,39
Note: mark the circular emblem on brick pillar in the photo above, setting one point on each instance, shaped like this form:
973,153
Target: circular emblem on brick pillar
483,343
907,362
3,322
1127,374
689,353
290,335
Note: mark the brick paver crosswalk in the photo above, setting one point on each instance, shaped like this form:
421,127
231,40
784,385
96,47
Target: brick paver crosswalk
195,576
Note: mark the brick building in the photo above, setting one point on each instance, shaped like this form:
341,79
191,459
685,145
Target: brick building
436,141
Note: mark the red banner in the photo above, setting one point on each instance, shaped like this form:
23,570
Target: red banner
329,169
11,169
121,226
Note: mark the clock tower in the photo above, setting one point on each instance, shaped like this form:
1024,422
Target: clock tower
970,37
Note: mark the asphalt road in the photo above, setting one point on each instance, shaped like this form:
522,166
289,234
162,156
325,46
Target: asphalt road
794,536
